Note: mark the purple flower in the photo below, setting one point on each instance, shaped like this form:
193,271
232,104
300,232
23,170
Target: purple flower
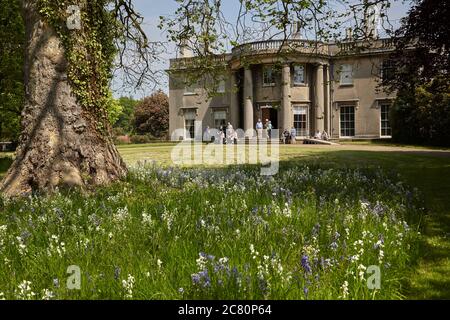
305,264
334,245
195,279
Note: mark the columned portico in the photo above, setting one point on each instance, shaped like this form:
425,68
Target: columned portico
319,99
248,99
286,118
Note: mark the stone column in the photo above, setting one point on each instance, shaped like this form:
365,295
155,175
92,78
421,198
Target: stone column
286,112
319,99
327,100
248,99
234,101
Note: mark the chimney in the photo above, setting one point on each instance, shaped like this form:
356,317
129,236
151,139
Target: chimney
297,28
185,51
349,34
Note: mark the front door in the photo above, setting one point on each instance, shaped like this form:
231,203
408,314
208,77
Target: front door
271,114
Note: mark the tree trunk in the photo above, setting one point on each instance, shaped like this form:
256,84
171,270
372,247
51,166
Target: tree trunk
60,145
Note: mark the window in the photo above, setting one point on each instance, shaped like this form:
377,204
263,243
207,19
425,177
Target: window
189,88
220,119
268,76
189,123
299,75
221,86
301,121
347,121
346,74
386,130
387,70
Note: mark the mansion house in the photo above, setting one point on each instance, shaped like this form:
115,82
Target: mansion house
311,86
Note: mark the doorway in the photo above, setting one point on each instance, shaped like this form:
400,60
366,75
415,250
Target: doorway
271,114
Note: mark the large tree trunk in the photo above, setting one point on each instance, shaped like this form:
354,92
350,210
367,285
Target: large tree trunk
60,145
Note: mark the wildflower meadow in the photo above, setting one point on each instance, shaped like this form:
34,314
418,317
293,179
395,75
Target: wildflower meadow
215,233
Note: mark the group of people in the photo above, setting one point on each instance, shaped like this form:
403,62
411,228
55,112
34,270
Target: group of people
260,127
289,136
321,135
227,134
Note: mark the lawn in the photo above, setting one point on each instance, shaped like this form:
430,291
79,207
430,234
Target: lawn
177,220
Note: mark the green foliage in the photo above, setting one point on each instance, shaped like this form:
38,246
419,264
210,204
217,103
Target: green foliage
12,38
214,234
125,120
90,52
115,109
423,115
152,115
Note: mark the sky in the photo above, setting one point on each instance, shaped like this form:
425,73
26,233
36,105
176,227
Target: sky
151,10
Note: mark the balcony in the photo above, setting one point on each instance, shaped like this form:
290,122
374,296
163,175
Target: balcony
357,47
281,46
197,62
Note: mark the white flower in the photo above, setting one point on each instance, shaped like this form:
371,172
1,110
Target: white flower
25,291
21,245
128,286
344,289
147,219
121,215
362,271
201,262
47,294
159,263
380,256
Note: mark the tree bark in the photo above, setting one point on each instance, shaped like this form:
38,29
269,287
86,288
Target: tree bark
60,145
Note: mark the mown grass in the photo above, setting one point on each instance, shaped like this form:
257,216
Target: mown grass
427,170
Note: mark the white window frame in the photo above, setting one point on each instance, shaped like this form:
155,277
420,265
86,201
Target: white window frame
303,81
381,105
346,75
264,76
391,67
189,115
340,121
216,118
299,110
189,89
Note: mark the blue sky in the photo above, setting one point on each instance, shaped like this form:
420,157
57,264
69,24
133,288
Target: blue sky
153,9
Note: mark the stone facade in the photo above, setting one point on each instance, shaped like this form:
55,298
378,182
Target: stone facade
311,86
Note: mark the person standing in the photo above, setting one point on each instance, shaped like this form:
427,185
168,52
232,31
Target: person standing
293,135
230,133
259,128
207,135
269,128
286,136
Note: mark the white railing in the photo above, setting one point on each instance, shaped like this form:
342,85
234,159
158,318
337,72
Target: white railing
273,46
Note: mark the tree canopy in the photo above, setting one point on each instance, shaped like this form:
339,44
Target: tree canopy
421,112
